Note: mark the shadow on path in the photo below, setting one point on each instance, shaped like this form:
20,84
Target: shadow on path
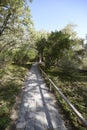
38,110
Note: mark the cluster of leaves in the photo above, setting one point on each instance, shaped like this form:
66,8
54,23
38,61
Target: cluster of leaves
24,54
15,28
61,48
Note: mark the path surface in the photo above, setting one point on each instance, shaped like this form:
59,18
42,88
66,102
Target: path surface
38,110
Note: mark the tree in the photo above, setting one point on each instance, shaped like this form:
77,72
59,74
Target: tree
57,44
59,48
41,38
15,27
24,54
12,12
70,30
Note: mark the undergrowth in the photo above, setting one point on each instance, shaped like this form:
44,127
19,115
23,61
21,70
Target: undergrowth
11,81
73,84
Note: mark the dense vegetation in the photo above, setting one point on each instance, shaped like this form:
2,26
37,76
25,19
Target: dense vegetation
73,84
64,59
16,50
62,53
63,49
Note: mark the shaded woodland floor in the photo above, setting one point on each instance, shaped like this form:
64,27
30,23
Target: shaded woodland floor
11,81
73,83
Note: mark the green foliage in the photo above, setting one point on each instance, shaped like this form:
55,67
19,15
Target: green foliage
73,83
13,12
19,43
24,54
15,29
54,47
62,48
69,29
11,82
20,57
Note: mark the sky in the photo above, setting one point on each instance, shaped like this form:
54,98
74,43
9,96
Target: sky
51,15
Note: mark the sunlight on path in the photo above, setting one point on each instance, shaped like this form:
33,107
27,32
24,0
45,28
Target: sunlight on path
38,110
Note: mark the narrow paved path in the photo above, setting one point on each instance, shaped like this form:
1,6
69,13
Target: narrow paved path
38,110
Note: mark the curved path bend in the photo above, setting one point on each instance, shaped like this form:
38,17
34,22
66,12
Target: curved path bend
38,110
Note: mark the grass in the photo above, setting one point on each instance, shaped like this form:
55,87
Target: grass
74,86
12,78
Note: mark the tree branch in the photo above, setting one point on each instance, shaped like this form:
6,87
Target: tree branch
5,23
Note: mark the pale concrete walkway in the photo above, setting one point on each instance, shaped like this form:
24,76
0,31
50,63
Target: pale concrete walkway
38,110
